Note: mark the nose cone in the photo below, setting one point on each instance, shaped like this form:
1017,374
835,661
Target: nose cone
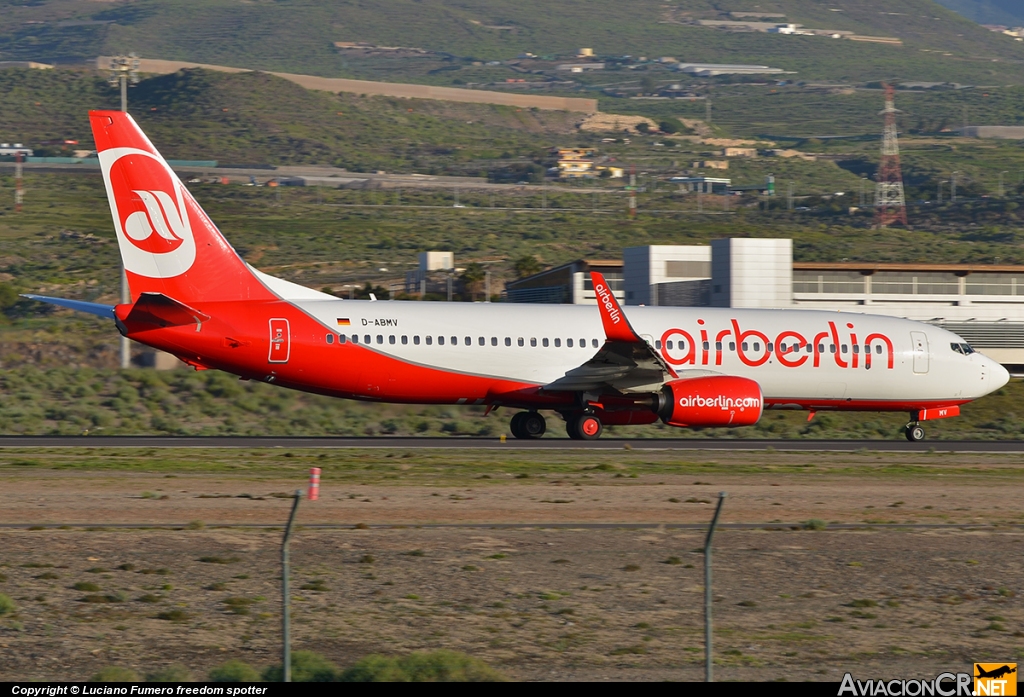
1000,375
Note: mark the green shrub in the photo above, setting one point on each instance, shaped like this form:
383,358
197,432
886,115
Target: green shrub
115,674
306,667
86,586
6,605
437,666
814,524
174,673
234,671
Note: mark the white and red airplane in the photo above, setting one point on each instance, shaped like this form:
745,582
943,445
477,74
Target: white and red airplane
194,297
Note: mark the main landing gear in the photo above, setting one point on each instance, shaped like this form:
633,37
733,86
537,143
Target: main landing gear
914,432
583,426
528,424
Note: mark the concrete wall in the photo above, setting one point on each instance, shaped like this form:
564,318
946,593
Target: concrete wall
752,273
388,89
644,267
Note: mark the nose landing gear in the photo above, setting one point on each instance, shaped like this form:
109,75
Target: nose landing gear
528,424
914,432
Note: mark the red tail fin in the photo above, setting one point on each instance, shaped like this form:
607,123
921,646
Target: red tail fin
168,243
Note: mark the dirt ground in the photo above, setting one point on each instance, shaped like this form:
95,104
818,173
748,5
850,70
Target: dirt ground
537,603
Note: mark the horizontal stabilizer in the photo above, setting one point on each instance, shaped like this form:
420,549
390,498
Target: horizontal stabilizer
80,305
159,310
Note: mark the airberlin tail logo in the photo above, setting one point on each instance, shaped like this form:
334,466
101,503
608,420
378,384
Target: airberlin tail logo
605,298
150,215
161,218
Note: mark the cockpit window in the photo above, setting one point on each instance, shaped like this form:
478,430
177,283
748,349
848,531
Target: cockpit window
965,349
956,347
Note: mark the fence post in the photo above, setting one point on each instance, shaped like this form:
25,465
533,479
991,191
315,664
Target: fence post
286,664
707,590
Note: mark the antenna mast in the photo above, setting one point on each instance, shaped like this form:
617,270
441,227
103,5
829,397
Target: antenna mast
890,203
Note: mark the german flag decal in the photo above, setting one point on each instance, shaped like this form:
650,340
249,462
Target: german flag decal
344,322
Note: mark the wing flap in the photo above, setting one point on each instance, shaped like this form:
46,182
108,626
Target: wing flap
625,363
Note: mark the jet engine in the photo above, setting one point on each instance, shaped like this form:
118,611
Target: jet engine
712,400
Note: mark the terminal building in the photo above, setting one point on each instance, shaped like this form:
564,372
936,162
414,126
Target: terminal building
984,304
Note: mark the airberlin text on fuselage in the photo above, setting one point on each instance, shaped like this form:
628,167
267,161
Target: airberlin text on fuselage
790,348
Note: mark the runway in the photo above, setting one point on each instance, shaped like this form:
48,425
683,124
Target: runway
414,443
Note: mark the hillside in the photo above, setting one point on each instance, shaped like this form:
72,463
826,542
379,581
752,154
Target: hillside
299,36
1009,12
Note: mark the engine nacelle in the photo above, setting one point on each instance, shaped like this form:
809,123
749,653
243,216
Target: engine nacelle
712,400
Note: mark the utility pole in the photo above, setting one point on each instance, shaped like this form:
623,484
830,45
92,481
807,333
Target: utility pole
487,286
707,110
790,202
125,69
943,181
1001,190
632,191
952,187
18,191
708,597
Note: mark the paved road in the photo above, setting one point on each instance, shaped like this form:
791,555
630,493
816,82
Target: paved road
522,526
891,446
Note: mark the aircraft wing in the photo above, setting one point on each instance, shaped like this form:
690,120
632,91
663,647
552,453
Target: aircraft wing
80,305
625,363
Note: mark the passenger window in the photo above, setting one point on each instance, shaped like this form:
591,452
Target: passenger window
821,348
668,345
481,341
657,344
594,342
430,340
732,345
718,345
508,341
416,340
330,338
469,341
843,348
341,338
558,343
544,343
568,343
355,338
878,348
533,341
380,338
520,341
707,345
455,341
832,348
440,341
583,343
810,349
405,339
856,348
391,339
494,341
744,345
757,345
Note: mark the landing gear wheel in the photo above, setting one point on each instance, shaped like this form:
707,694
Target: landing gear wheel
584,427
532,425
914,433
516,425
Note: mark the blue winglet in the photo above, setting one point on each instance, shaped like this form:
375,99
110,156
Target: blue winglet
80,305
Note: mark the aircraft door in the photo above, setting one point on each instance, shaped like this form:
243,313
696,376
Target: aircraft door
920,348
280,341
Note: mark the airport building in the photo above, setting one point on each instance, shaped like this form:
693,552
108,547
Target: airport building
982,303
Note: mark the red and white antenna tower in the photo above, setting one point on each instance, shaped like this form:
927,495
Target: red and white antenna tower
890,203
18,191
